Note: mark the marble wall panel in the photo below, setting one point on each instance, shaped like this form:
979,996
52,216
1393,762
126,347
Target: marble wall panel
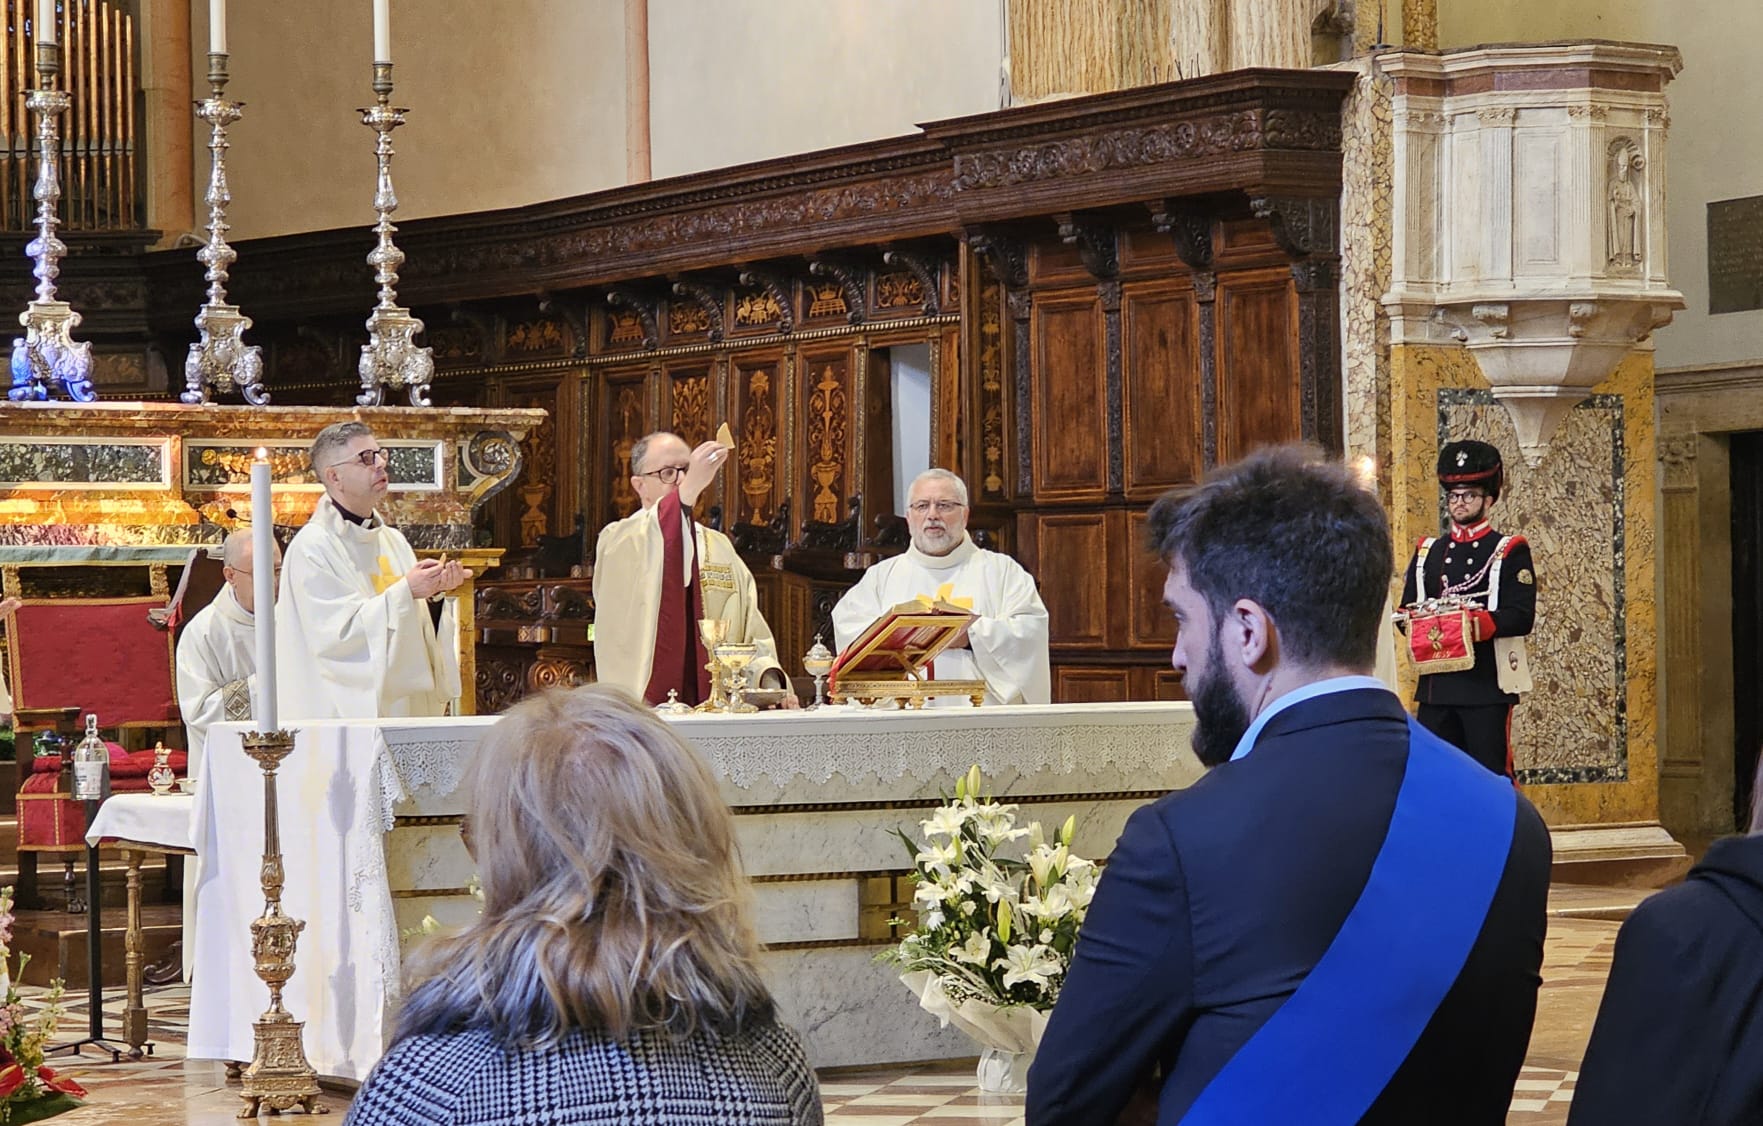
805,910
851,1010
1585,740
863,840
1367,203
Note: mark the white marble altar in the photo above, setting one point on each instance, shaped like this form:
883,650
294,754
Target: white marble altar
370,814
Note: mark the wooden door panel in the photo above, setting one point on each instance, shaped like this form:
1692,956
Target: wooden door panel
1070,397
1070,559
1149,625
1259,396
1157,683
1079,684
1162,429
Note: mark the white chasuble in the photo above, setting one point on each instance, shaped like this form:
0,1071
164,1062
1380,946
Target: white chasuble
1007,644
351,641
217,662
627,598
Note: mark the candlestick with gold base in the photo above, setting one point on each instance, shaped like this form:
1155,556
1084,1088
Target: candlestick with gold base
279,1077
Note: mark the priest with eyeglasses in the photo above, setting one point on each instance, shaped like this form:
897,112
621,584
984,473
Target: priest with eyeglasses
363,630
1006,646
658,571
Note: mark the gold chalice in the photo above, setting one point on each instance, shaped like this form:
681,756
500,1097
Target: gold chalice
736,658
713,632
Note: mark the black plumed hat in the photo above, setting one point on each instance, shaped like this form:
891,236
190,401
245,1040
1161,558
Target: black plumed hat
1471,463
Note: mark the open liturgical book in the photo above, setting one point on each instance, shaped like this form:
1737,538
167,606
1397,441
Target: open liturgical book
892,658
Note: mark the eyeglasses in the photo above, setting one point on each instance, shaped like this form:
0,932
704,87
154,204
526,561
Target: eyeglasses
667,474
366,458
246,571
1464,494
920,507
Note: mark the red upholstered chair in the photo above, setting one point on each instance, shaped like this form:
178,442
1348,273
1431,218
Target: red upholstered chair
69,657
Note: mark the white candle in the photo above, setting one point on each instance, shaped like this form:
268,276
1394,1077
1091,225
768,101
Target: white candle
217,27
46,32
263,589
382,31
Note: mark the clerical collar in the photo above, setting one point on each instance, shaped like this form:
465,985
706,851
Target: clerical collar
350,516
963,551
1460,534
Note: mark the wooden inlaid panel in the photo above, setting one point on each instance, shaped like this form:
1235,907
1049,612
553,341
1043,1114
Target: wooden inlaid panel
1149,624
1078,684
757,379
1144,248
1163,427
626,415
1070,402
1070,559
690,411
827,399
1259,396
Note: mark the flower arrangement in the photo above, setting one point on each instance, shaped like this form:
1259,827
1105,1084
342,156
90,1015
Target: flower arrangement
995,933
29,1091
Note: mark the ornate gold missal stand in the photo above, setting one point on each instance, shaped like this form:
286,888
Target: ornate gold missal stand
889,660
279,1077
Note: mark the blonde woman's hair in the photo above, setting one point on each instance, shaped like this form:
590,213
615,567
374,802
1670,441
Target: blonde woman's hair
614,899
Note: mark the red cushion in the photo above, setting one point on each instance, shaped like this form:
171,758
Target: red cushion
123,764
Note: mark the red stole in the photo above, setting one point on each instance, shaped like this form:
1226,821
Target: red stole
679,652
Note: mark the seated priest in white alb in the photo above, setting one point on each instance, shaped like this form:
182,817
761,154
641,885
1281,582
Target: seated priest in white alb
1006,646
363,630
217,652
657,572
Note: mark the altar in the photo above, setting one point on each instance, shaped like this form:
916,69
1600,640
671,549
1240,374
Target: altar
370,814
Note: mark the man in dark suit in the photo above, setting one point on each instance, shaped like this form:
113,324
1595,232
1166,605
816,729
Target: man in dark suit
1472,708
1343,920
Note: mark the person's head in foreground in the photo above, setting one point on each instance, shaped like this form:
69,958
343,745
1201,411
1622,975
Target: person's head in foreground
616,928
1278,568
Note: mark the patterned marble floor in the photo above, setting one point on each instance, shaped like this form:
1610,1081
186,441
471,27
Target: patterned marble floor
166,1090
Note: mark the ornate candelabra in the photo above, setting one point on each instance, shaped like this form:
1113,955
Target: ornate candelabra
279,1077
390,358
220,359
45,357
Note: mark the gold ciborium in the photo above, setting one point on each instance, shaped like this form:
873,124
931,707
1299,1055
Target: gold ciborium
736,658
817,662
713,632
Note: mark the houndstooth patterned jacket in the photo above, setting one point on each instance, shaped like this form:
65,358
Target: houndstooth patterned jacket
758,1078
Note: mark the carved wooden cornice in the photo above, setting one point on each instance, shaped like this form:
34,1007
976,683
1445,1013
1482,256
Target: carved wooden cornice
1258,132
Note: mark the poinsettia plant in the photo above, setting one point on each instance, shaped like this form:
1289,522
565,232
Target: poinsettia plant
29,1090
993,927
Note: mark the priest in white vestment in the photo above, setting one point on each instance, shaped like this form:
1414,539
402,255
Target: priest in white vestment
1006,646
658,571
217,651
363,630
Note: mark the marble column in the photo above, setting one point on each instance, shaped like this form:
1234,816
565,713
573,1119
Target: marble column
1199,36
1269,33
166,119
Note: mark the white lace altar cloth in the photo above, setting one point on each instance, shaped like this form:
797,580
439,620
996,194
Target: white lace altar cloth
345,782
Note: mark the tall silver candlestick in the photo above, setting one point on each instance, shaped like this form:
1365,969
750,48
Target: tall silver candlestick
45,360
220,360
390,358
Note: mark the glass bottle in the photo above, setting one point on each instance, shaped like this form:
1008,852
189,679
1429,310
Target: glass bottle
91,765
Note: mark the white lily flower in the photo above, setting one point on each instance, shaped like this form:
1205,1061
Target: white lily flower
947,821
975,950
1035,964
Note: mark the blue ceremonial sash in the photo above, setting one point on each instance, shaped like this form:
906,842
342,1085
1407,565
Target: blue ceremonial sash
1326,1054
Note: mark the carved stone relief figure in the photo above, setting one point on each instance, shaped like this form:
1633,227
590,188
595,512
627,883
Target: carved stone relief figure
1622,236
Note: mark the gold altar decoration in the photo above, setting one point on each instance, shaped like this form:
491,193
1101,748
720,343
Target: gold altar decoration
279,1077
713,632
